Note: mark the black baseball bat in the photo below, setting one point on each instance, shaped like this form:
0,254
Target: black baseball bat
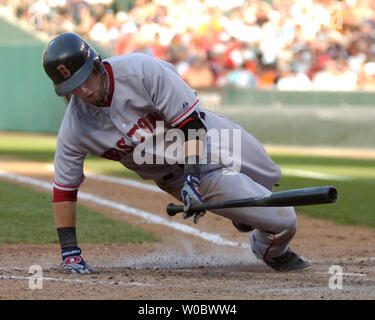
289,198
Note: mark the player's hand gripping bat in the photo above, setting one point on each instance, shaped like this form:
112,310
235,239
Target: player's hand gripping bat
290,198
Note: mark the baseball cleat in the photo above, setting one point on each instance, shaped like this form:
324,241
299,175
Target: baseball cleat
289,261
241,227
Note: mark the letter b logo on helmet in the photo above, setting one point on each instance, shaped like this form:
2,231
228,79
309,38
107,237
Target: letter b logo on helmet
64,71
68,60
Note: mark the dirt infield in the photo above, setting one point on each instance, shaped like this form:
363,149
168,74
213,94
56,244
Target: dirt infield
185,266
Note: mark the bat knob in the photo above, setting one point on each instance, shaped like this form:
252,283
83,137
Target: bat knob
171,209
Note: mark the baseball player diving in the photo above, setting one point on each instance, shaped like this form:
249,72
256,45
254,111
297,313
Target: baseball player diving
119,103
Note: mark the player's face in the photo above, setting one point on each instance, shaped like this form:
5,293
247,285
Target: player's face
93,90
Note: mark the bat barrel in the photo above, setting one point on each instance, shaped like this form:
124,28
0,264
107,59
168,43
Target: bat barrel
300,197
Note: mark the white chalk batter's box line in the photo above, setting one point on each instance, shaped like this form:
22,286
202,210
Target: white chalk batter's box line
148,216
182,269
246,288
109,268
153,188
15,277
126,209
92,282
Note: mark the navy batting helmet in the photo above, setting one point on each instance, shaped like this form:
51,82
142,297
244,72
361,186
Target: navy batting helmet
68,60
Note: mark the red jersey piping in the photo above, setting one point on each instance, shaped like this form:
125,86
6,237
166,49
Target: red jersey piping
111,83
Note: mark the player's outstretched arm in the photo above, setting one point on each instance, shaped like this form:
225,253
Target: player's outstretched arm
65,220
193,147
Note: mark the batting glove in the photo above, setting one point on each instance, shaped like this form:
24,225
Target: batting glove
191,195
74,263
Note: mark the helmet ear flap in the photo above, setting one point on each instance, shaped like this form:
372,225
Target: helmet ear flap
98,64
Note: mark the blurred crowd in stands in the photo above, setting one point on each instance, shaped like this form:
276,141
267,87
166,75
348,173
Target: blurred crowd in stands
283,44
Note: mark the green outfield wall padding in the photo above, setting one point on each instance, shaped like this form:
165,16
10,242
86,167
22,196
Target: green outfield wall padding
27,98
238,96
307,126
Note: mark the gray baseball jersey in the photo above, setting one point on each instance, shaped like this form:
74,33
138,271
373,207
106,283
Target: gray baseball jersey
145,91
